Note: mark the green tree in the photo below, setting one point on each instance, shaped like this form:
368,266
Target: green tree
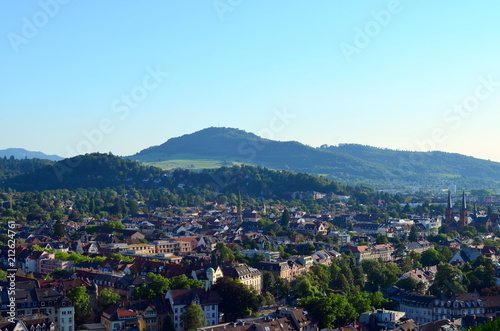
268,282
193,317
123,258
302,287
379,275
114,225
489,326
81,301
309,249
381,239
285,218
448,279
59,229
481,274
222,254
331,310
364,301
236,299
182,282
430,257
409,284
413,236
144,292
107,298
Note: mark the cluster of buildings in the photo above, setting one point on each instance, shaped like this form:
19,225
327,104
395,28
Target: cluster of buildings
178,245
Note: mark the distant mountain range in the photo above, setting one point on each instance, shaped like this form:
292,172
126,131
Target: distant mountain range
21,153
214,147
348,163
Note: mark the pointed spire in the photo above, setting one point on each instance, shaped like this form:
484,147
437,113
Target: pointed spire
449,199
239,209
464,203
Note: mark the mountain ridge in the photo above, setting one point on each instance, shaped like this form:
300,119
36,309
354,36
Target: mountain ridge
350,163
21,153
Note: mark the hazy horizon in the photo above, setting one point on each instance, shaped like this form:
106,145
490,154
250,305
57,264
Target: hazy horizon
408,75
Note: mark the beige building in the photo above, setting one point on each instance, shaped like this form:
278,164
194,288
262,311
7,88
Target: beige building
248,276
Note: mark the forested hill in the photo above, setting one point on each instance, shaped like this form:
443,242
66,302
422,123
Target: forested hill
424,162
347,163
109,171
237,146
10,167
84,171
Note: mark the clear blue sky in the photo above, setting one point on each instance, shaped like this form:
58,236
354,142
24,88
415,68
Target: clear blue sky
381,73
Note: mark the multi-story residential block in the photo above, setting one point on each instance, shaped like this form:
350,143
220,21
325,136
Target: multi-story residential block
43,301
342,237
118,319
373,252
269,255
248,276
279,269
180,299
47,266
418,247
314,228
425,309
283,319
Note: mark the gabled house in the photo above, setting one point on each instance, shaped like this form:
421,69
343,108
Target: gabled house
465,254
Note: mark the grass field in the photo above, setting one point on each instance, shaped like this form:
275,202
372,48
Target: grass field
189,164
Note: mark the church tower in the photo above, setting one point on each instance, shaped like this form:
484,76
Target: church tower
449,211
464,214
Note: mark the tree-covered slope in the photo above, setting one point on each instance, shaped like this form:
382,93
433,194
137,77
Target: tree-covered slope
98,171
234,145
10,166
85,171
423,162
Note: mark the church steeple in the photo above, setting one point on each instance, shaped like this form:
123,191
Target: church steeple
449,219
464,214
